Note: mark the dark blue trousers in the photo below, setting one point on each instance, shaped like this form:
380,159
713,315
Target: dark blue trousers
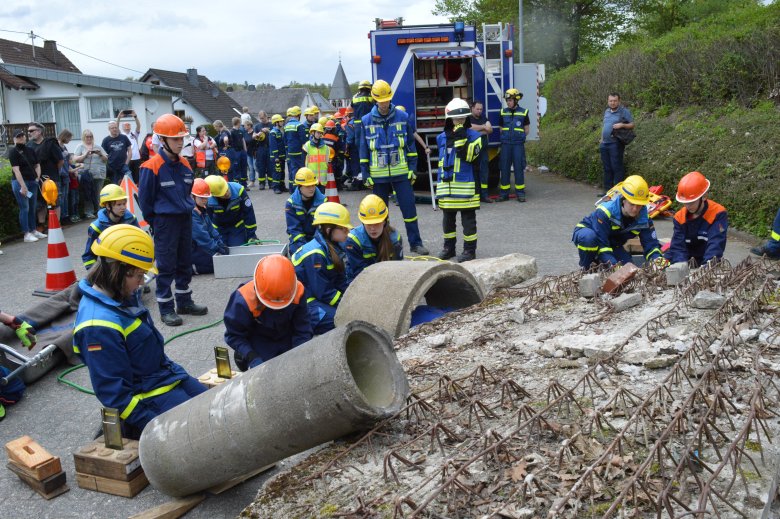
405,196
294,163
262,165
512,155
173,252
612,160
585,240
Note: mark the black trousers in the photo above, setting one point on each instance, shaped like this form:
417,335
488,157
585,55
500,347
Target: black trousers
468,219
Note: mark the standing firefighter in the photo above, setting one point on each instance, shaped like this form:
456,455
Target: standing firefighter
267,316
459,148
362,102
388,158
514,124
300,207
116,338
278,152
294,138
600,236
164,196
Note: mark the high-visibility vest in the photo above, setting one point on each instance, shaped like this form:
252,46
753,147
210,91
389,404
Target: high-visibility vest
317,160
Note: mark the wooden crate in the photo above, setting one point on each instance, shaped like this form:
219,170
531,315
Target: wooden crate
49,488
130,488
97,460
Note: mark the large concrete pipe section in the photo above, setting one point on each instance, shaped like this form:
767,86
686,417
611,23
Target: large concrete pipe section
337,383
386,293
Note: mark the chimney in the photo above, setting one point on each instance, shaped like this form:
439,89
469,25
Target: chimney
50,50
192,76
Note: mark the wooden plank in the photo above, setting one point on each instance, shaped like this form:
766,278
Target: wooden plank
227,485
112,486
48,488
26,451
41,472
97,460
173,509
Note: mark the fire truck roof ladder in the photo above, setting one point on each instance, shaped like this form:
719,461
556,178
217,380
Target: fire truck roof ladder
494,67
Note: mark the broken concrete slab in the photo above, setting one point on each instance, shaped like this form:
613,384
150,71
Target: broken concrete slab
676,273
661,361
639,356
625,301
590,285
404,284
707,300
437,341
503,272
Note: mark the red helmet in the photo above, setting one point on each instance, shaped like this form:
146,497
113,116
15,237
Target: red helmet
692,187
200,188
275,282
168,125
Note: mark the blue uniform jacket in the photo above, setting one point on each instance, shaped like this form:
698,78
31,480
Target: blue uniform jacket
294,137
164,187
102,223
512,124
206,241
258,333
276,144
388,131
607,221
702,238
316,271
124,353
361,250
299,219
235,215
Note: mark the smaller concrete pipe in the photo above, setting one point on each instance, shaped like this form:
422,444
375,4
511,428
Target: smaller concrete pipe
339,382
403,284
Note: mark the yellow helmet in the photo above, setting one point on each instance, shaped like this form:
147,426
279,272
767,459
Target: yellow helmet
401,107
276,118
223,164
322,120
49,192
381,91
364,84
316,127
513,93
111,193
634,189
314,109
217,185
332,213
294,111
259,137
305,177
372,210
126,243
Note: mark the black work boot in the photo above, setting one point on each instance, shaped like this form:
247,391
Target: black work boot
193,309
469,253
171,319
448,252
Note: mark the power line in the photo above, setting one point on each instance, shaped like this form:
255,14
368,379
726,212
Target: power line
59,44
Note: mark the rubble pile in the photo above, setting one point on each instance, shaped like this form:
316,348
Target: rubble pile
540,402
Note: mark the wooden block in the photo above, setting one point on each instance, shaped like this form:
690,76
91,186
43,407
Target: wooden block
48,488
227,485
95,459
129,488
43,471
26,452
173,509
210,378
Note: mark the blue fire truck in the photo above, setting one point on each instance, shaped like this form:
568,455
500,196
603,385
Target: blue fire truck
428,65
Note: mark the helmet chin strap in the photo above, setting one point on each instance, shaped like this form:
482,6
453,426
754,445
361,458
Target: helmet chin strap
168,148
110,206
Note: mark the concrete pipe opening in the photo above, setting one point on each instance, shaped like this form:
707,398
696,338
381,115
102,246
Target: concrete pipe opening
372,374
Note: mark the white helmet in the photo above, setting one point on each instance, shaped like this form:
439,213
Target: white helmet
457,108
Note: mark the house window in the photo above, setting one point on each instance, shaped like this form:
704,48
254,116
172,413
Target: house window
104,108
63,112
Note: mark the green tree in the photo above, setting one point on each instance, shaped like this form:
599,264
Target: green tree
657,17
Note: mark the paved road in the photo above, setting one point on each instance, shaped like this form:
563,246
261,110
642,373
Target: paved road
62,419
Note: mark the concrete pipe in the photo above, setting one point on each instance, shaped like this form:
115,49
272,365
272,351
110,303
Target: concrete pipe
335,384
403,285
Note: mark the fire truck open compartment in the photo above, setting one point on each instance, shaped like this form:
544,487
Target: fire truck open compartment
437,82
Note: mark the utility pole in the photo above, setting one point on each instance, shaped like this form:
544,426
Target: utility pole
520,31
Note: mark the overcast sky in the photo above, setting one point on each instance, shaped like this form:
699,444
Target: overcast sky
258,41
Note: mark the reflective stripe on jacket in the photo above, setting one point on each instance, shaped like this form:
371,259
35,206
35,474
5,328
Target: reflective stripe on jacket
703,238
457,183
317,159
299,219
236,213
387,146
361,250
315,269
512,124
102,223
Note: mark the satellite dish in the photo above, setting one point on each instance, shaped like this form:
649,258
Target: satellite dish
152,105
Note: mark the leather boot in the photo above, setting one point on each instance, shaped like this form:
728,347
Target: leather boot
448,252
171,319
193,309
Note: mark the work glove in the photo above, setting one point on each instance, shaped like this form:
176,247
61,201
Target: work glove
254,241
369,182
661,262
224,250
412,177
25,332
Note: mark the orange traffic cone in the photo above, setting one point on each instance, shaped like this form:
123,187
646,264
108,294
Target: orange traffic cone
132,201
331,190
59,269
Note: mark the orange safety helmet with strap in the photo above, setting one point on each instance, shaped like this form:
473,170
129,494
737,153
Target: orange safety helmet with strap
692,187
200,188
274,286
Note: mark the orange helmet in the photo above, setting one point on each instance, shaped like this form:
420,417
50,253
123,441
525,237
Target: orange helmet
168,125
692,187
349,111
223,164
330,124
200,188
275,282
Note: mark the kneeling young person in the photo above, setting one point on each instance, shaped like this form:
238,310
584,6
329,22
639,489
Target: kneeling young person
374,241
206,241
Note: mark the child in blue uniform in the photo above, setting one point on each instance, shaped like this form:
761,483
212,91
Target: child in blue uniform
300,207
206,241
231,211
700,226
320,266
771,248
113,201
374,241
600,236
268,316
116,338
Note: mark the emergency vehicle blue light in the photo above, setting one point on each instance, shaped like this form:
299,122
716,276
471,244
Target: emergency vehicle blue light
460,29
